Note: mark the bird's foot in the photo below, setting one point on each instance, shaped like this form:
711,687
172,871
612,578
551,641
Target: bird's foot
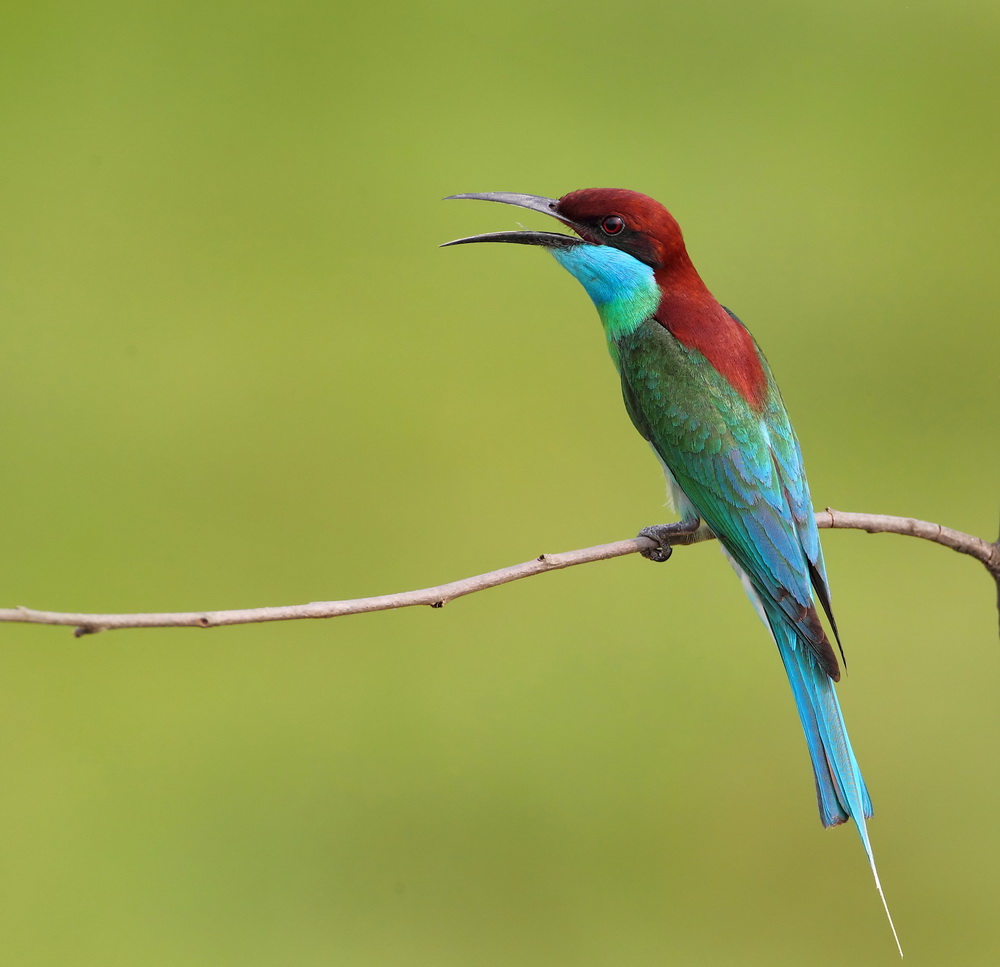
662,534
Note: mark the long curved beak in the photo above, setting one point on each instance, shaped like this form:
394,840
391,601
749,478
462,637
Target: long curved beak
535,203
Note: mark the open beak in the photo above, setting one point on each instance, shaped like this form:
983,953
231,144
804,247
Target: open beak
535,203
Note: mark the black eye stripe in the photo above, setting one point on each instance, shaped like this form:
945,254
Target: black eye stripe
612,224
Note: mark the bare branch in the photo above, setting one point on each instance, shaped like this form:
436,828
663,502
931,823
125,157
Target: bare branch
985,552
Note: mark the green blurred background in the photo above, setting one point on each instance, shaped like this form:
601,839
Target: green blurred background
237,371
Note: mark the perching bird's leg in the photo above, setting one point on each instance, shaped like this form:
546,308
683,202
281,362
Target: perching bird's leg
662,533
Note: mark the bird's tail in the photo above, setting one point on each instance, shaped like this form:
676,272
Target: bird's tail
840,790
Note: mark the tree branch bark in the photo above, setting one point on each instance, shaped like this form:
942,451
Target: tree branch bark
985,552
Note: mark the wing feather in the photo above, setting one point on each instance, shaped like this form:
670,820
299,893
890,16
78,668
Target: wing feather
740,469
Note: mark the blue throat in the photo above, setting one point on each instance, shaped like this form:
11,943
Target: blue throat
623,288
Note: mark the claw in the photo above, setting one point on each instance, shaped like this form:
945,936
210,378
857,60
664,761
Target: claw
661,534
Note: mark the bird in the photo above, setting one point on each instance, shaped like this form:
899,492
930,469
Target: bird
698,389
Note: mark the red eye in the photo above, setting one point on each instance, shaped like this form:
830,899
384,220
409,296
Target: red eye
612,224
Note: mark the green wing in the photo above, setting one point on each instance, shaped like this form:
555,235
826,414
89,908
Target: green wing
741,470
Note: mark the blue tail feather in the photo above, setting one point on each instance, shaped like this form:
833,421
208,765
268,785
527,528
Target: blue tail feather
840,789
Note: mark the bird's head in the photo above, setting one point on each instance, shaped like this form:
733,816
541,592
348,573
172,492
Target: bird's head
615,217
